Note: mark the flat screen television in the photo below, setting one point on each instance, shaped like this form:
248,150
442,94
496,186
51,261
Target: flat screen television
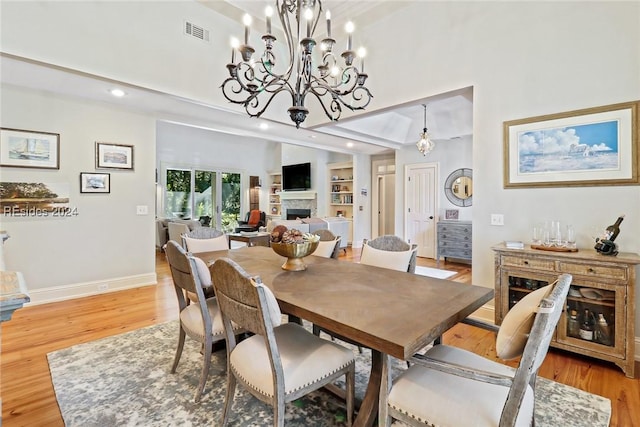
296,177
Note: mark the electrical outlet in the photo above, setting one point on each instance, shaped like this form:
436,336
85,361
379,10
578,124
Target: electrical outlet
142,210
497,219
103,287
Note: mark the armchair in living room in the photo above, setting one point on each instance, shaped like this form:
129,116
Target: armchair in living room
253,221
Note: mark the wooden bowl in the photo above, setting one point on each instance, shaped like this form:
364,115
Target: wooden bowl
294,252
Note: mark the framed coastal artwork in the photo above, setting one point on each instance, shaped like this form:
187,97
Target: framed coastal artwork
29,149
114,156
95,182
594,146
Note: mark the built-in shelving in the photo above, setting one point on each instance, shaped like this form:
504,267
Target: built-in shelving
275,188
341,194
341,185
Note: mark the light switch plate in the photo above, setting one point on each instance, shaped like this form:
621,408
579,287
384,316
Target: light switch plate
497,219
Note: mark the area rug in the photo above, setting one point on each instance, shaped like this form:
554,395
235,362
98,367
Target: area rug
124,380
434,272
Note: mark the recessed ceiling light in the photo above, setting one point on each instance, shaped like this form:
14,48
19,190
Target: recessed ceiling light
312,136
117,92
264,126
349,144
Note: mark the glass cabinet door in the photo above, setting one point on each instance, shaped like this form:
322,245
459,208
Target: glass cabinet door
591,316
521,284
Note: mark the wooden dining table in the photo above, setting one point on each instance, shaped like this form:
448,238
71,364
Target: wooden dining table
391,312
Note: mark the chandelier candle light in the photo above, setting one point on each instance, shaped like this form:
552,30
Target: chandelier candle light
254,83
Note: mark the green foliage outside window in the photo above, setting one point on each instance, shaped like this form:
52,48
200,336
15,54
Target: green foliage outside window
178,193
230,200
179,196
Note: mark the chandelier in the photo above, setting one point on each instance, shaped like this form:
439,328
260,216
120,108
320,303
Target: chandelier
425,144
254,83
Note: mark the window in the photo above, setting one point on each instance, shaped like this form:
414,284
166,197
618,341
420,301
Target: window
193,193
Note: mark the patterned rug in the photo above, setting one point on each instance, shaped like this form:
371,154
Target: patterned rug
124,380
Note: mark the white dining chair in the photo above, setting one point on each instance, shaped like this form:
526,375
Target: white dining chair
449,386
176,230
281,362
197,245
329,244
389,252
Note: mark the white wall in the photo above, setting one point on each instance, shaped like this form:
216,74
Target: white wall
106,242
362,180
138,42
523,59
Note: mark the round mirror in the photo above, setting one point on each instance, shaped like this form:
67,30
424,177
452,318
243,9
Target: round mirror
459,187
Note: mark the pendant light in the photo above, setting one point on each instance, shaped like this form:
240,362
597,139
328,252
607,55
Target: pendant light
425,144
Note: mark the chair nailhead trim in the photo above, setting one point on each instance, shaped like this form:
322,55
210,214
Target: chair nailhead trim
263,392
420,420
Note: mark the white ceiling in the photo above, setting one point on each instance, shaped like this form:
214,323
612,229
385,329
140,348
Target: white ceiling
449,115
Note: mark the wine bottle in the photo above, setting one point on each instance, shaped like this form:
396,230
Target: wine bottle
613,230
602,333
587,326
573,327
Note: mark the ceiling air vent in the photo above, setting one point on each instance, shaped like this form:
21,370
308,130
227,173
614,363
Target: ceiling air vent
196,31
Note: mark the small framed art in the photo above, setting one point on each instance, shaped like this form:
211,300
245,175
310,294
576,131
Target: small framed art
114,156
95,182
29,149
451,214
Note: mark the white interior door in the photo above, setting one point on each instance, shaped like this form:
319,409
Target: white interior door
421,206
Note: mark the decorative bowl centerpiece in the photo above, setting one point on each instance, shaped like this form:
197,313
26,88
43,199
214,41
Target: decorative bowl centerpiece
294,245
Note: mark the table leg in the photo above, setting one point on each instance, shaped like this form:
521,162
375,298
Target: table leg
369,408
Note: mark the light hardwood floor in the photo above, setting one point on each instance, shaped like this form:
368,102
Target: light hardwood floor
28,398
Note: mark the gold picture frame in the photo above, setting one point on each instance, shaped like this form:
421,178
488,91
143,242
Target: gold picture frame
589,147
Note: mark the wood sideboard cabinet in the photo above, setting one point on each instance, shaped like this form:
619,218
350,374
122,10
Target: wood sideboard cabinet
454,240
602,286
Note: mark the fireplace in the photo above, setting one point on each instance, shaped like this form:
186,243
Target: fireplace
298,213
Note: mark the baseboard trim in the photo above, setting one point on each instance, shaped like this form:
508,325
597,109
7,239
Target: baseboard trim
484,313
80,290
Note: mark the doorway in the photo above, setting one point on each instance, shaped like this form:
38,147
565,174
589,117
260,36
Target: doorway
383,200
421,205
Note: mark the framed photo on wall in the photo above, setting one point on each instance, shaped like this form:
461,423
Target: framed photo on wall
451,214
114,156
95,182
590,147
29,149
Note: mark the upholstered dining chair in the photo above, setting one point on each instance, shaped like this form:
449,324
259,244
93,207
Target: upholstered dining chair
448,386
329,245
281,362
200,319
204,239
389,252
176,230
